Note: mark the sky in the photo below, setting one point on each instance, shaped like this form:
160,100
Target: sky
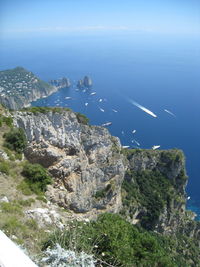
24,17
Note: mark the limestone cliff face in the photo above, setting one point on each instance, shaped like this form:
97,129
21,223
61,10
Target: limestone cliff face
88,172
20,101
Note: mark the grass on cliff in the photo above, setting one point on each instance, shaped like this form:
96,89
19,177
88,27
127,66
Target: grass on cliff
45,110
36,179
113,241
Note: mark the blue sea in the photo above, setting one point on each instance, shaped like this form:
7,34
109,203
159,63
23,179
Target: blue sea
157,71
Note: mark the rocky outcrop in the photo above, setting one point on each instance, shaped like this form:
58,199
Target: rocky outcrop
86,82
45,217
88,171
61,83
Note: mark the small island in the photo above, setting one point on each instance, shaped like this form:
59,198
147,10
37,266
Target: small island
86,82
61,83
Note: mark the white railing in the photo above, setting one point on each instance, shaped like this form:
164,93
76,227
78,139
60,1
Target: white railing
11,255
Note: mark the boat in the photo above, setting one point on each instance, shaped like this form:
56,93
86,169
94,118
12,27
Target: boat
94,93
114,110
102,110
68,97
136,142
155,147
100,100
134,131
106,124
125,146
86,104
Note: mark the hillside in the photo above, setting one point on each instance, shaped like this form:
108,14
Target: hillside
90,199
19,87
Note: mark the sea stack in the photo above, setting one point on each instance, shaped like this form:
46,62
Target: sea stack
87,81
65,82
80,84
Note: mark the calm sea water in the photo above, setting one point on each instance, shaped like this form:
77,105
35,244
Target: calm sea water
157,72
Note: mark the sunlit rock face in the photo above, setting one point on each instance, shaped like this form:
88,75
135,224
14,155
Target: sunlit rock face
85,161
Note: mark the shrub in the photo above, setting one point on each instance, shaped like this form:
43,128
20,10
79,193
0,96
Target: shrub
45,110
113,242
8,121
37,177
151,189
4,167
15,140
82,118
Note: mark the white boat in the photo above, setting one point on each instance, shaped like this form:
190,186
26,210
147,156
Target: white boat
68,97
136,142
86,104
134,131
102,110
106,124
125,146
114,110
94,93
100,100
155,147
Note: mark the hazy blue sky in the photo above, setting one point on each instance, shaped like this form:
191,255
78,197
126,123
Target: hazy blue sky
162,16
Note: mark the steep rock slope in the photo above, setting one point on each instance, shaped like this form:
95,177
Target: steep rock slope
84,160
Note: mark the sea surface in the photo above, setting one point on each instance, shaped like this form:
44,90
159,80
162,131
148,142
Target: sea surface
158,72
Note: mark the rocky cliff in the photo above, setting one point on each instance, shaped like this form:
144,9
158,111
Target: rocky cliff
93,173
85,161
19,87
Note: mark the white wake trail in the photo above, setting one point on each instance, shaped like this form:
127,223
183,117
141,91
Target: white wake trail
143,108
169,112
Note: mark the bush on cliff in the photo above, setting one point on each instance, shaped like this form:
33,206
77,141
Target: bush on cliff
15,140
36,177
113,241
82,118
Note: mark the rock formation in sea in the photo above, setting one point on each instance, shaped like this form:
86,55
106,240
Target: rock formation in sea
80,84
61,83
87,81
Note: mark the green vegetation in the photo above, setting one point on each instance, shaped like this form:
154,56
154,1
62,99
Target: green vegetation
15,140
11,208
7,120
36,179
113,241
4,166
82,118
102,193
45,110
151,190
